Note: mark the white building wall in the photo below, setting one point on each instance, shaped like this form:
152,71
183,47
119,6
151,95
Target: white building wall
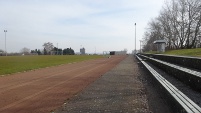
82,51
120,52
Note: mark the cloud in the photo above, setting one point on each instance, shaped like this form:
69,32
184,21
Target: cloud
106,24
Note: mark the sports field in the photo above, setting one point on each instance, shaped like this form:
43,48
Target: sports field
13,64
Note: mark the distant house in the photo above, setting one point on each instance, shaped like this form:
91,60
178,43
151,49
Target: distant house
82,51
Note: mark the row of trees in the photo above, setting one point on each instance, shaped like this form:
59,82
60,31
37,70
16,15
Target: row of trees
178,23
49,49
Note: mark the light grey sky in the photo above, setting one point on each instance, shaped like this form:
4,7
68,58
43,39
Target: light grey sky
101,25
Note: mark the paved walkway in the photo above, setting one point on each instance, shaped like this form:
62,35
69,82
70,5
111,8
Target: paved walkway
118,90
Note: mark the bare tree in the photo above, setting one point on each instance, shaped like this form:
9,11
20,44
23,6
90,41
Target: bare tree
48,47
179,23
25,51
194,16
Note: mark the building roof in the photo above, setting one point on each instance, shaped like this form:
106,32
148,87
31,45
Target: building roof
159,41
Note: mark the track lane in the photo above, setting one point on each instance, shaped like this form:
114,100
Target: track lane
20,78
53,78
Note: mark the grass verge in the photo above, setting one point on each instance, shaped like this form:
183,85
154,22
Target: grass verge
182,52
185,52
13,64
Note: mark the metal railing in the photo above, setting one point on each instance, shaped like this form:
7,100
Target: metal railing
186,75
181,103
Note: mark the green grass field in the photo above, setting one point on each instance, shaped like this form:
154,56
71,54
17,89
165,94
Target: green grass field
13,64
183,52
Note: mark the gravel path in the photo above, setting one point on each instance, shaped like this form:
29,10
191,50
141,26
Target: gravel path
119,90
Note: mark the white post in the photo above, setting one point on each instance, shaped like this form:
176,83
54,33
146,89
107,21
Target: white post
135,39
5,42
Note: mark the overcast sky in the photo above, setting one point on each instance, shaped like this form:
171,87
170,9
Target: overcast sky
96,25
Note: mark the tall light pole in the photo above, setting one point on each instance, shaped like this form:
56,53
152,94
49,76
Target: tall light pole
140,46
5,42
135,39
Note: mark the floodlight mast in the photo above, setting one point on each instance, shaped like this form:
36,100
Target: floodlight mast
135,39
5,42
